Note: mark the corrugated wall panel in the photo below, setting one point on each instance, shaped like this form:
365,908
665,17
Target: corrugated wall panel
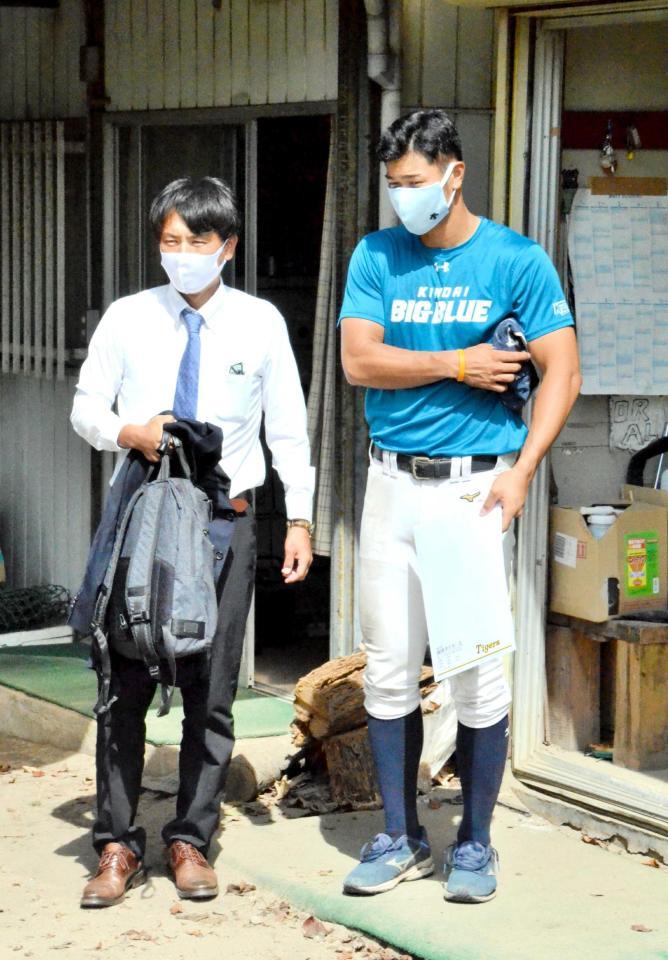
258,49
188,53
439,54
447,55
205,53
475,129
331,50
39,62
44,499
447,61
118,51
222,79
140,67
296,46
239,59
475,54
171,67
278,54
316,39
412,30
156,52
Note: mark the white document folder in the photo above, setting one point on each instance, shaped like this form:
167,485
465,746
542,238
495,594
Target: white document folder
465,590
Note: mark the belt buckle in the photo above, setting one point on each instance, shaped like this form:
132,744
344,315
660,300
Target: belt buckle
415,462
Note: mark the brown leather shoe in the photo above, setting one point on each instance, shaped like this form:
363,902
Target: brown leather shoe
118,870
194,878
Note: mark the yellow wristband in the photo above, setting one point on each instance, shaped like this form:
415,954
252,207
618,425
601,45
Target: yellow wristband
462,366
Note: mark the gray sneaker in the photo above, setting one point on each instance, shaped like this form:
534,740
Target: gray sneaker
385,862
470,870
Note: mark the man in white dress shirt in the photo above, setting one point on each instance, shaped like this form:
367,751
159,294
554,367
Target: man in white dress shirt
211,353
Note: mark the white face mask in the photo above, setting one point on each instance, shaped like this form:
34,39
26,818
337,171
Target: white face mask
192,272
420,209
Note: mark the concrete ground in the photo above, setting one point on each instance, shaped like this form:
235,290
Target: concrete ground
559,897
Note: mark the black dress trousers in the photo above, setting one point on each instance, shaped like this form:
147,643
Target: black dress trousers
208,691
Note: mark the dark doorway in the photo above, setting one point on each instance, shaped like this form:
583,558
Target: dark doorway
290,156
291,623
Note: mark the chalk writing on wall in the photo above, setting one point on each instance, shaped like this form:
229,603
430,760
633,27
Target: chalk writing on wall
636,421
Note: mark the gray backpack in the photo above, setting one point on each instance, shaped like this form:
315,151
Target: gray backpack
158,599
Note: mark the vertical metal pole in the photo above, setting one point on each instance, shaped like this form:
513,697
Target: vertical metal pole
499,175
110,215
140,211
5,262
529,671
38,228
49,240
250,225
28,336
60,249
554,161
519,141
357,124
17,253
247,669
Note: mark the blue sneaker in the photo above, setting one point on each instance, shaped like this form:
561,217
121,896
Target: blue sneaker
470,870
385,862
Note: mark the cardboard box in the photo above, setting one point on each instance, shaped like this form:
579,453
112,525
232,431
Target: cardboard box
623,572
659,498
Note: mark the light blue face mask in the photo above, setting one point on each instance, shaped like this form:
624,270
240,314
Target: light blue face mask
420,209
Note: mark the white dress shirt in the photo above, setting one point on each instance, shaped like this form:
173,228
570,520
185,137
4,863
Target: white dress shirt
247,368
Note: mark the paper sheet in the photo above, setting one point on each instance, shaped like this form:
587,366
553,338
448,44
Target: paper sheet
618,251
464,588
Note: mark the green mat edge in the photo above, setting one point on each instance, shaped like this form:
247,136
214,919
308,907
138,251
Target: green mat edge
35,696
81,656
357,913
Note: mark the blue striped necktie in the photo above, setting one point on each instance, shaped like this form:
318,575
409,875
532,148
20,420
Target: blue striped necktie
187,382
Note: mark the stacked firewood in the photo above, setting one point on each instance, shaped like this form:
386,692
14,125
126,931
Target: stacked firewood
329,709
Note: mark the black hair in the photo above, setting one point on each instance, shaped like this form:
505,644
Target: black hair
429,132
206,205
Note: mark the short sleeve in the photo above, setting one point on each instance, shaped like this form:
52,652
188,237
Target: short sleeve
363,295
539,303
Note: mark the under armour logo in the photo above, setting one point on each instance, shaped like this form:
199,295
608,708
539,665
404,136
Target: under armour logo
434,216
470,497
442,265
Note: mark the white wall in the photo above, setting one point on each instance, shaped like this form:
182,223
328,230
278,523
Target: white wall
617,67
39,62
186,53
44,483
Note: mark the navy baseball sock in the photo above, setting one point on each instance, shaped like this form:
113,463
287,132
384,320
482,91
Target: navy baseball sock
481,759
396,746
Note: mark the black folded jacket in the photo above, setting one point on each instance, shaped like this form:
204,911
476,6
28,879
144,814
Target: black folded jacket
202,444
509,335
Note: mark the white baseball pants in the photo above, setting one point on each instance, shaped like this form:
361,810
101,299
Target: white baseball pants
392,615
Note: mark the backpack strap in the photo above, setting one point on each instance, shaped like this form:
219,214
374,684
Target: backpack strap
138,584
167,689
104,701
140,572
170,445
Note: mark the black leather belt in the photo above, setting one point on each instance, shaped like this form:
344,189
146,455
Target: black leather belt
434,468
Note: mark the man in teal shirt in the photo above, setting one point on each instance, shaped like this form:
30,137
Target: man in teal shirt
422,303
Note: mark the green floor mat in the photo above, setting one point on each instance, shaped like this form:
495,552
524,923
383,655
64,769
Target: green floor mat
58,673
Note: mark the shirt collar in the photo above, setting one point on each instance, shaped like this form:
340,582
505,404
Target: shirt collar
209,311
